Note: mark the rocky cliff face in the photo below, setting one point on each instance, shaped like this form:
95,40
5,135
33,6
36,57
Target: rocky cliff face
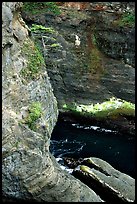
29,113
102,65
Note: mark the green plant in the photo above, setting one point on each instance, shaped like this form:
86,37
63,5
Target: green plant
35,28
51,6
35,60
111,108
95,61
35,112
32,7
94,40
127,19
16,144
55,45
37,7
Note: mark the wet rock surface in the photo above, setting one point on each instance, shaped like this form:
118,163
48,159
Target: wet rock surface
121,124
111,184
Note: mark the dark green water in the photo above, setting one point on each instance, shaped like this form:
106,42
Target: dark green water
73,140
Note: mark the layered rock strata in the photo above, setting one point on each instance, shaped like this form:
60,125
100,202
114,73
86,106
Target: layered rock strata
29,171
109,183
102,65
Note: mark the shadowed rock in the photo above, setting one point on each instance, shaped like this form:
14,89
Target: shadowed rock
109,183
102,65
29,171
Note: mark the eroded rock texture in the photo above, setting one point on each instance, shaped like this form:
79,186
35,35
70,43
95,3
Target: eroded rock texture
29,172
109,183
102,65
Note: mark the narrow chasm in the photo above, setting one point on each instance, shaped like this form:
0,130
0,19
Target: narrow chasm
68,101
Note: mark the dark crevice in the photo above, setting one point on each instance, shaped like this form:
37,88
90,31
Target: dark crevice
106,193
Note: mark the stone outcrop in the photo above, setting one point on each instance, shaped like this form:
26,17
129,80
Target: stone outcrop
29,171
102,65
122,124
111,184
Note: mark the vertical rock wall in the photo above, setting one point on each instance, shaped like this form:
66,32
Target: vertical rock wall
103,65
29,171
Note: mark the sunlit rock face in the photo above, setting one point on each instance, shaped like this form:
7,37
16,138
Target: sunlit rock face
29,171
110,183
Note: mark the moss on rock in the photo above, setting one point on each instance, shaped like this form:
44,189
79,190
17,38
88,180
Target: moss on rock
38,7
126,20
35,61
108,109
41,28
35,112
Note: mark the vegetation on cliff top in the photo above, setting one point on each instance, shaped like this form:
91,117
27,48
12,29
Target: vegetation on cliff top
126,19
38,7
108,109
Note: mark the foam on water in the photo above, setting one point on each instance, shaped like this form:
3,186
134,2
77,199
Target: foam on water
78,141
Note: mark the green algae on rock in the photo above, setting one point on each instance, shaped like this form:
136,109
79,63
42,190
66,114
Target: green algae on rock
108,109
106,180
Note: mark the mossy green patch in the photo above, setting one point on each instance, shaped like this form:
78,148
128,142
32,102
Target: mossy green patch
52,7
55,45
41,7
126,20
85,169
39,28
35,60
108,109
95,61
35,112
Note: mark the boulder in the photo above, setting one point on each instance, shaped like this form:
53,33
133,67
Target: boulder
111,184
